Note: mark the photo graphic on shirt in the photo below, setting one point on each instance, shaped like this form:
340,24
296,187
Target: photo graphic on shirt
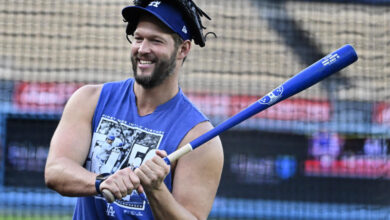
117,145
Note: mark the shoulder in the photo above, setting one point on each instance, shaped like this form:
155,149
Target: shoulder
84,99
87,92
199,129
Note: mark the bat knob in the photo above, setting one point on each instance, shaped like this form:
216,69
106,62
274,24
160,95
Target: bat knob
108,196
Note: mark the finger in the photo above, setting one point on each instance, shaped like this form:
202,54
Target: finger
126,187
120,182
160,161
141,173
133,181
159,166
161,153
124,181
111,185
140,189
156,169
154,174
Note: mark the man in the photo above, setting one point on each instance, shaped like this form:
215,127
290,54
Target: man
151,104
101,153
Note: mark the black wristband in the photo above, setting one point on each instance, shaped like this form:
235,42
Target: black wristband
99,179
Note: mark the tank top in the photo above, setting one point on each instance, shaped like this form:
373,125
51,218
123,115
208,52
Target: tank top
121,138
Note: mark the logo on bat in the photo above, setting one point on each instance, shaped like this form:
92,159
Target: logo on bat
272,97
331,58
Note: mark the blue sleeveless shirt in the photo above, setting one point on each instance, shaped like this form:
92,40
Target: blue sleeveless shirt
122,138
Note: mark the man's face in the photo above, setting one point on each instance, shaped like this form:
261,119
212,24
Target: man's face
153,53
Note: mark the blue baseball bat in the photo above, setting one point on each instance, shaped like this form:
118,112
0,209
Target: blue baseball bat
318,71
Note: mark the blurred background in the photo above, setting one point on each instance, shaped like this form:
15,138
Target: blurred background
322,154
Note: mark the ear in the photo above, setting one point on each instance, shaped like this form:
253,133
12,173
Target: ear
184,49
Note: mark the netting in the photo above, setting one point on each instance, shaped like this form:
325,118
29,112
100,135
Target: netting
322,154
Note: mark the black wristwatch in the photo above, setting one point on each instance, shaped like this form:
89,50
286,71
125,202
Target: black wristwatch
99,179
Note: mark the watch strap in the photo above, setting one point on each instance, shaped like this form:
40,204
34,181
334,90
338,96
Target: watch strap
99,180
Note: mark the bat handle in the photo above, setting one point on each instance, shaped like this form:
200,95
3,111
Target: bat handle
178,153
110,198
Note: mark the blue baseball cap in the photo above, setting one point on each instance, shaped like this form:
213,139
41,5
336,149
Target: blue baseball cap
165,12
111,137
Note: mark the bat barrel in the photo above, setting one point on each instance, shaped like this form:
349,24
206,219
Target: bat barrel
321,69
318,71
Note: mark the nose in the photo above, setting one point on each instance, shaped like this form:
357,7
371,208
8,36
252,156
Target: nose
144,47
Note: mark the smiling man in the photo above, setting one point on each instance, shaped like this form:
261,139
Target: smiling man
145,118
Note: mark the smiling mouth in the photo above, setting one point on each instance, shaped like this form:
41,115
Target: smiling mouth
145,62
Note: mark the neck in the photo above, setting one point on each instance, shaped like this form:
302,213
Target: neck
148,99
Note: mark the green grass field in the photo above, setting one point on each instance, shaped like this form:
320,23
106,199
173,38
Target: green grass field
35,217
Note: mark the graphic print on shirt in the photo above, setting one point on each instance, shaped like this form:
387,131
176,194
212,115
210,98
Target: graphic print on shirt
116,145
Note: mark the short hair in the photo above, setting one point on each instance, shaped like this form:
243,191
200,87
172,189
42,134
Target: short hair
177,42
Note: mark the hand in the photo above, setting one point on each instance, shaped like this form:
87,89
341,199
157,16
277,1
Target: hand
122,183
153,172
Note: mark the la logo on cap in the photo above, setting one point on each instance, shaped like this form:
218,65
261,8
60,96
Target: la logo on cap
154,4
184,29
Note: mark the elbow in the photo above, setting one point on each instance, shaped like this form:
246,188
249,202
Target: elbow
49,180
53,183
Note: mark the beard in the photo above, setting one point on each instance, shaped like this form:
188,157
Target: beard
162,70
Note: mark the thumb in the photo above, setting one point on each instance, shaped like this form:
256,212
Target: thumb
161,153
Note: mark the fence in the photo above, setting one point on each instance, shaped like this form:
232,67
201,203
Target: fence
322,154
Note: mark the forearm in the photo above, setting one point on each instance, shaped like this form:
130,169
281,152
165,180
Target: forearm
164,205
69,178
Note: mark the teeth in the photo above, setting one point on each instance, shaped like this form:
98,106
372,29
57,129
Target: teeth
145,62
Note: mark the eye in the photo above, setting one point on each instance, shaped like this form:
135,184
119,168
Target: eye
138,39
156,40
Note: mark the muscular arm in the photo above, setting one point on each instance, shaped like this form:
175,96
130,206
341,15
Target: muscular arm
64,171
195,183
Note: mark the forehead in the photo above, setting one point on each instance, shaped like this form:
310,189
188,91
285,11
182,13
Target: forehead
149,23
